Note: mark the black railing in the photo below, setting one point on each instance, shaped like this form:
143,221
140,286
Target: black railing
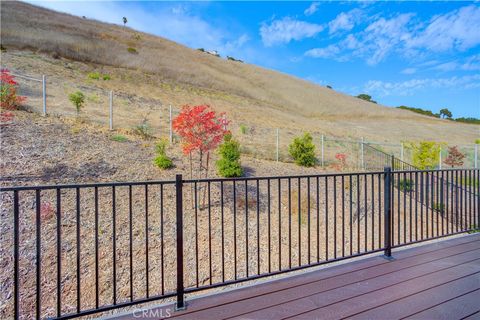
74,250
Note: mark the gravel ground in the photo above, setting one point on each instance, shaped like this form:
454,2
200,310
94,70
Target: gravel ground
38,150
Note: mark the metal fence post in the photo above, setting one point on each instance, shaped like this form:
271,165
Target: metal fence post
323,155
16,244
171,130
440,159
388,210
476,156
44,96
180,305
111,110
278,141
362,157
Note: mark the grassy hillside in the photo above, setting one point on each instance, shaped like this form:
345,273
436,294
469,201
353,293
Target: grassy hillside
67,48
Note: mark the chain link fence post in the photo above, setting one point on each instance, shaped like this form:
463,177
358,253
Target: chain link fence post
111,110
476,156
362,159
44,94
278,142
323,155
171,129
440,159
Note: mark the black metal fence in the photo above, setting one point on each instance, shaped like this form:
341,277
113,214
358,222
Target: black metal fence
73,250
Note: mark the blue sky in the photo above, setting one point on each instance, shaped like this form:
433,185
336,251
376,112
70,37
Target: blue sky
419,54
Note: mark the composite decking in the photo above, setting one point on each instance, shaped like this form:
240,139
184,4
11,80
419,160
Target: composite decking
439,280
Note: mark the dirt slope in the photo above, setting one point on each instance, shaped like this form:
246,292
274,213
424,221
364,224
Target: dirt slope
166,71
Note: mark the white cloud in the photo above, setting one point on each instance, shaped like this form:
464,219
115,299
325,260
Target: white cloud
374,43
456,30
287,29
312,9
383,36
234,45
345,21
405,36
382,89
409,71
328,52
471,63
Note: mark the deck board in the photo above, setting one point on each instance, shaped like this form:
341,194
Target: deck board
433,281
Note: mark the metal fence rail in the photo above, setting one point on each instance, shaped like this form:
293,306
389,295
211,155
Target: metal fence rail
74,250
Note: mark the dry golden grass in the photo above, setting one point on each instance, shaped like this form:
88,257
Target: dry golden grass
166,72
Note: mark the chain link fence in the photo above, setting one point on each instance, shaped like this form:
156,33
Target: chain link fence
153,117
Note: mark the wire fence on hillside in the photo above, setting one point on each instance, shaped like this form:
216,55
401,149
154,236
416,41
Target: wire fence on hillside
153,117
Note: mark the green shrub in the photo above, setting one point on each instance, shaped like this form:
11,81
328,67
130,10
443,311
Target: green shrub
229,163
106,77
94,75
420,111
470,120
406,185
425,154
302,150
77,99
162,160
366,97
243,129
132,50
119,138
144,130
477,141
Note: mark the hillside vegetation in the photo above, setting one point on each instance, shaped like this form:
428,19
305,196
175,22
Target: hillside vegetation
68,48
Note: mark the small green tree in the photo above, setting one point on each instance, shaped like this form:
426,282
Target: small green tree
229,163
162,160
302,150
77,99
124,21
445,113
425,154
366,97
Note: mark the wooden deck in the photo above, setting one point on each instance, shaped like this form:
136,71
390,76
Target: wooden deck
440,280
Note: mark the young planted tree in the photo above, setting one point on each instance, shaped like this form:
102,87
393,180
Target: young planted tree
201,130
302,151
162,160
425,154
229,163
454,158
125,21
8,91
78,100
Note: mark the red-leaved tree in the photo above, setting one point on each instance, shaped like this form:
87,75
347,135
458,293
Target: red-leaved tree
201,130
341,162
454,158
8,93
